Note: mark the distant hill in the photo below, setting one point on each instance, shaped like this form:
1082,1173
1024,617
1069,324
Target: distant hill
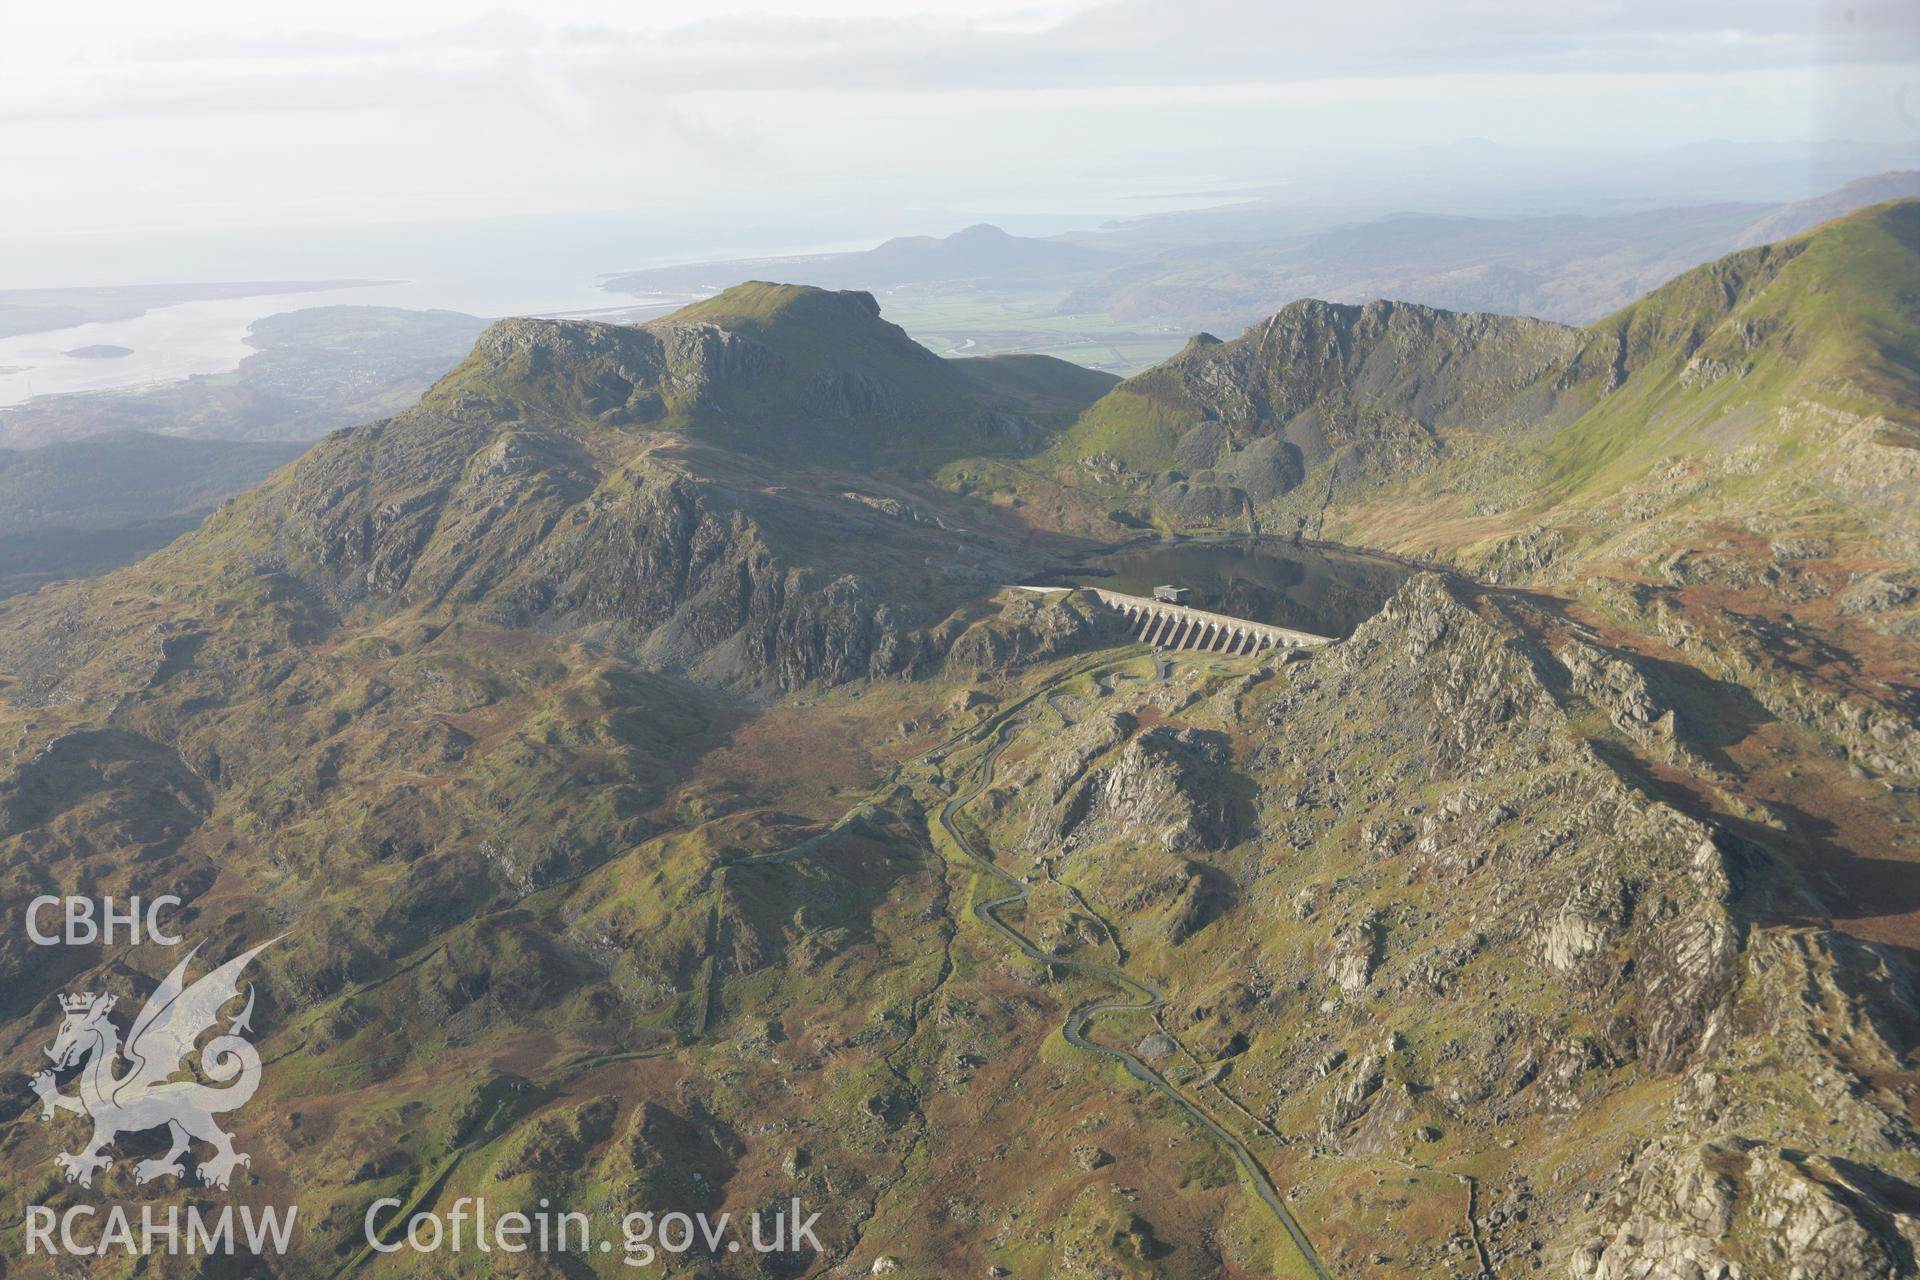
977,253
1319,390
82,507
1116,298
1565,267
1040,384
1802,215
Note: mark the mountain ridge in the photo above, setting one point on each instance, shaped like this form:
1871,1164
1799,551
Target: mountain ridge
1570,267
1752,333
662,817
820,365
705,497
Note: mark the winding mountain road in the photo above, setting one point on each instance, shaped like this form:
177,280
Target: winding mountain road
1148,997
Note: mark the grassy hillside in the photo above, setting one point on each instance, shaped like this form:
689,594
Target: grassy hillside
1776,390
1451,434
1320,399
1041,384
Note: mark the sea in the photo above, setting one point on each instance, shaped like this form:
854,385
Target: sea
544,265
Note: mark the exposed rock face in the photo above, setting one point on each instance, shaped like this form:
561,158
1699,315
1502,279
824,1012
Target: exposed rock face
1741,1211
695,586
620,375
1060,796
1032,628
1162,788
602,479
1349,393
1467,855
1616,684
1328,367
1356,951
1459,858
1877,592
672,568
1090,1157
1755,653
1357,1089
1648,878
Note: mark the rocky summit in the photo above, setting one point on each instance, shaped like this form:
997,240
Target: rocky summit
661,800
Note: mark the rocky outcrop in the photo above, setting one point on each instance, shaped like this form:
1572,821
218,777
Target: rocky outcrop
1615,683
1744,1211
1345,393
1165,788
1030,628
671,568
620,375
1356,952
1336,366
1871,729
689,581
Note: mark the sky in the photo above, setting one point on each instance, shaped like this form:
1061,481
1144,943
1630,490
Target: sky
126,116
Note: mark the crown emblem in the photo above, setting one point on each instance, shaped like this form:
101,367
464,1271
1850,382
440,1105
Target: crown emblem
163,1041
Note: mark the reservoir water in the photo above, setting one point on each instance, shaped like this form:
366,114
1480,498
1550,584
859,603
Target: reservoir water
1328,592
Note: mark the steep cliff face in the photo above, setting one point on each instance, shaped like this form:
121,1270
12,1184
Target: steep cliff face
1798,1167
678,490
615,374
542,529
782,371
1365,390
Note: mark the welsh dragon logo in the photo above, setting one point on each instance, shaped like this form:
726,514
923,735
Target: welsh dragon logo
146,1095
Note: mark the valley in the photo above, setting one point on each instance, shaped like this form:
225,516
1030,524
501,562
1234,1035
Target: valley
663,800
1031,640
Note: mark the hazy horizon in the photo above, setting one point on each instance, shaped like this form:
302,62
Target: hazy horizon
1472,177
845,120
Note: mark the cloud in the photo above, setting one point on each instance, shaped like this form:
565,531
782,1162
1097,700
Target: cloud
233,110
582,72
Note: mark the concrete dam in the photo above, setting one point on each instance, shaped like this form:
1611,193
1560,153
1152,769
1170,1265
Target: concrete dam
1176,626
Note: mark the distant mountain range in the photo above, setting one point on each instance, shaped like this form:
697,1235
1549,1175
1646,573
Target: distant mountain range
1804,215
976,254
1177,272
1568,268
